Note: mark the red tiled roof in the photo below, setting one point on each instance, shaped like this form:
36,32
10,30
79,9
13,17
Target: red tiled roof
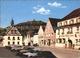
73,14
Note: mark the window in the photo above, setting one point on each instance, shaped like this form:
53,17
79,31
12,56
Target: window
59,32
77,28
13,43
62,31
63,40
18,38
61,24
49,42
65,23
79,40
78,20
44,42
70,30
13,38
18,43
71,21
11,31
8,38
76,40
8,43
14,31
60,40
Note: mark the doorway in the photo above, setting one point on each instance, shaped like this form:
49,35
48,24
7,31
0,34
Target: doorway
1,44
49,42
70,43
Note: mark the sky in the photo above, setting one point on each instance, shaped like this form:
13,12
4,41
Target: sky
26,10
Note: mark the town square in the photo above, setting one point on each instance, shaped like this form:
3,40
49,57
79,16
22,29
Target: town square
39,29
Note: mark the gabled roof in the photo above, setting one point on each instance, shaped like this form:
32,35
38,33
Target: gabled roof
73,14
53,22
13,31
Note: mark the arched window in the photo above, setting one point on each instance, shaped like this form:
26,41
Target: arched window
63,40
8,43
60,41
78,20
77,28
13,43
8,38
18,38
13,38
18,43
71,21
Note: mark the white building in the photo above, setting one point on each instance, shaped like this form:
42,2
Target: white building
12,37
68,33
41,36
27,40
35,39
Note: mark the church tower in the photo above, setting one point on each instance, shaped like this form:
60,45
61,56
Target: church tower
12,22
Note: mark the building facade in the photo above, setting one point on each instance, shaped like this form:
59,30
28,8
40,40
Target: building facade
68,33
41,36
35,39
49,33
12,37
27,40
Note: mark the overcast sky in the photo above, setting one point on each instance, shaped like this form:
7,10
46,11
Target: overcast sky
25,10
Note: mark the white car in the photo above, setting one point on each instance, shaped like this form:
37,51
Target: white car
29,54
16,47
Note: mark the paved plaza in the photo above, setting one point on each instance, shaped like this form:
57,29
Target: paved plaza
5,53
62,52
58,52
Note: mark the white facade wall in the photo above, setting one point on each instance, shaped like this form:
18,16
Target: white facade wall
74,36
27,40
35,39
41,36
6,40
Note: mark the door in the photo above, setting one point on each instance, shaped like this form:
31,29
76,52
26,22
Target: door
70,43
1,44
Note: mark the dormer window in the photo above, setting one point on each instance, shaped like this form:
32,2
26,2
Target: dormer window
71,21
15,31
60,24
12,32
78,20
65,23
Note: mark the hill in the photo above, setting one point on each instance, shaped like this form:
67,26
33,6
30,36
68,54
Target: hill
31,27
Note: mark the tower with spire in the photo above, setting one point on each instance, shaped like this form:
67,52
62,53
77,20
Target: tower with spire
12,22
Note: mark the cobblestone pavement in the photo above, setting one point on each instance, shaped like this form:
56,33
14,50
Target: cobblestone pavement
62,52
4,53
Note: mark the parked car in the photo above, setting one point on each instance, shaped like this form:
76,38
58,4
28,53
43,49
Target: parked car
35,53
15,48
30,54
24,50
